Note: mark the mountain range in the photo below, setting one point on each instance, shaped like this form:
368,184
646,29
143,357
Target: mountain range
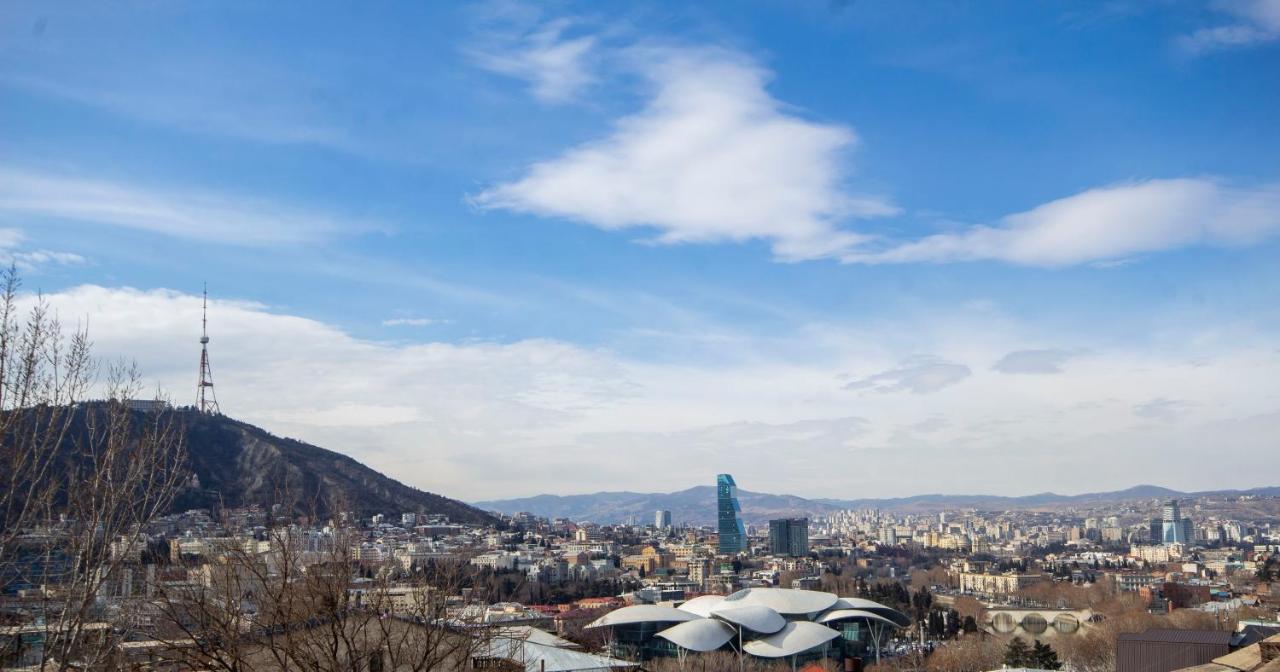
697,505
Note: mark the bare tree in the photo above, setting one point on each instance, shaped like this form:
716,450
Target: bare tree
82,480
966,655
307,599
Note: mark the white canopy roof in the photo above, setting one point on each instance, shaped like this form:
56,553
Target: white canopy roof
784,600
702,605
900,619
703,634
796,637
642,613
855,603
756,617
842,614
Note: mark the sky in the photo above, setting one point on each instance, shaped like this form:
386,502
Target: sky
838,249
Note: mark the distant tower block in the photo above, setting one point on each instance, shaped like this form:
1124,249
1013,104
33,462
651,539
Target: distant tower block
206,399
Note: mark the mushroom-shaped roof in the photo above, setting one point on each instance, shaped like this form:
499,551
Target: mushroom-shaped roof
642,613
899,619
702,605
796,637
701,634
843,614
855,603
784,600
756,617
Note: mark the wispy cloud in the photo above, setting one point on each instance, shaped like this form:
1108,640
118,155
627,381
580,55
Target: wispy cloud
483,407
1034,361
11,252
194,214
1254,22
921,374
556,66
1105,224
712,157
412,322
1164,410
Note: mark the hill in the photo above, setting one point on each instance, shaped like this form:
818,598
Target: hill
238,464
697,505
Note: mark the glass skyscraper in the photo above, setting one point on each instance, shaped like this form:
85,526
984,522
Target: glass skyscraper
733,535
1172,527
789,537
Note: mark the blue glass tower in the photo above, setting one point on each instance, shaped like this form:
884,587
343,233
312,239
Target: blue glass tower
732,535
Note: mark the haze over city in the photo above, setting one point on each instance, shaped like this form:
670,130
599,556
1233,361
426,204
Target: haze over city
841,250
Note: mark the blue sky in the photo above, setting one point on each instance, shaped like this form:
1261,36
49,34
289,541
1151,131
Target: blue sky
512,248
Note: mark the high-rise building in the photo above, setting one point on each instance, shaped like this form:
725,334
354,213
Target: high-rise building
1172,527
733,535
662,519
789,536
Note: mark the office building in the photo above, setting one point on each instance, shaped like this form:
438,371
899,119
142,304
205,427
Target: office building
662,519
789,537
733,536
1172,527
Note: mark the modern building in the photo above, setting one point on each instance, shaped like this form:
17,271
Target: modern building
761,623
662,519
789,537
1172,527
733,536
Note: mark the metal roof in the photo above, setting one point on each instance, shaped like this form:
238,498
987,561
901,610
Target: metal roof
845,614
856,603
796,637
900,619
1222,637
785,600
702,605
541,657
755,617
703,634
528,633
643,613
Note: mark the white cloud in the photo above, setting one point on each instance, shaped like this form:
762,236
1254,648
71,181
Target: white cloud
28,260
1105,224
1256,22
1164,410
556,67
200,215
1034,361
412,322
535,416
921,374
712,157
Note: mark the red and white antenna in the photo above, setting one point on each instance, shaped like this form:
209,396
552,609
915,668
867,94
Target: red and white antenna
207,402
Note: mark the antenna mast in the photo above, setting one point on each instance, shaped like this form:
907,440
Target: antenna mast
206,402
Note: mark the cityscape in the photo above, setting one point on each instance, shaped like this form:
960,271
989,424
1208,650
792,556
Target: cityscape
818,336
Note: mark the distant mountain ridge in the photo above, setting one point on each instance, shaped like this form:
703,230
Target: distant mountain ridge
697,505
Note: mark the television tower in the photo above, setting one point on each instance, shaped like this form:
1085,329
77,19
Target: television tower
206,402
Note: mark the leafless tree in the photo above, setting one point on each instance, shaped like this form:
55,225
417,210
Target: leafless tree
306,600
81,481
